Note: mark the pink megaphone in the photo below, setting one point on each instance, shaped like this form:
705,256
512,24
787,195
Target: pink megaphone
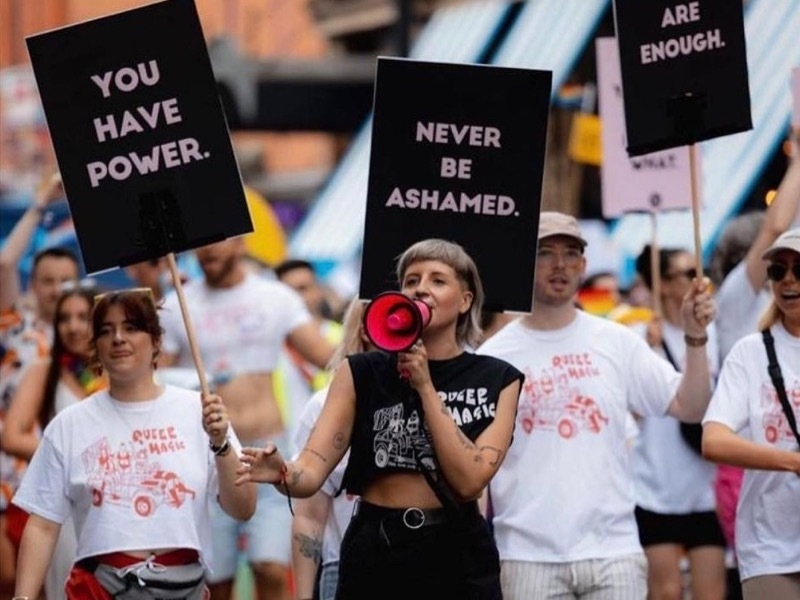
393,321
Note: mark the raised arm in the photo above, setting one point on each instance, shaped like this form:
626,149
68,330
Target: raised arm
20,237
19,428
326,446
694,392
779,216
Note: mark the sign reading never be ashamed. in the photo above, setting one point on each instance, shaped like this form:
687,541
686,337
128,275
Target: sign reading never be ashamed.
457,153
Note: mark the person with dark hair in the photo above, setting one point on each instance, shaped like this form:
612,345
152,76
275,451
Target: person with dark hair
46,388
563,505
136,466
673,485
26,324
427,430
752,423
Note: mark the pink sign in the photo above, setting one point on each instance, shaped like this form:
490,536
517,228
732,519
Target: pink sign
657,181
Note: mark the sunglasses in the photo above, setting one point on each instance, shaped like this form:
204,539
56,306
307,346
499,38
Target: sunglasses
145,291
777,271
72,285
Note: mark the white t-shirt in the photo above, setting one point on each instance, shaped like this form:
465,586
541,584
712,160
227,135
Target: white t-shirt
739,307
134,476
768,516
341,505
565,491
239,329
670,477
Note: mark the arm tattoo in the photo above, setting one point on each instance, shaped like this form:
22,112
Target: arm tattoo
315,453
339,441
296,475
495,452
310,546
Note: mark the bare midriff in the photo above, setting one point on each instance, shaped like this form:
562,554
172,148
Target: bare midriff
252,408
145,554
401,490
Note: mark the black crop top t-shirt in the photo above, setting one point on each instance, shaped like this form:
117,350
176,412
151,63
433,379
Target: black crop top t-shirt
388,426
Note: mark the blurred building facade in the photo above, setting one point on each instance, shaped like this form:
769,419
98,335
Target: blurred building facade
309,67
295,47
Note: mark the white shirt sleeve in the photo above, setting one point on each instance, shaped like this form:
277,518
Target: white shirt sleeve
43,488
653,380
729,403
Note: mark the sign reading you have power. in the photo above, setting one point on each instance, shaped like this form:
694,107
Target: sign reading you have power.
158,114
457,153
139,134
684,71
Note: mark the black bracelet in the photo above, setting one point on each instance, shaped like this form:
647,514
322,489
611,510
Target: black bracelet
695,342
221,450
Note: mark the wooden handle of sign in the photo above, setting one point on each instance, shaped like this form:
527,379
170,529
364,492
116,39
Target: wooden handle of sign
187,321
655,267
698,245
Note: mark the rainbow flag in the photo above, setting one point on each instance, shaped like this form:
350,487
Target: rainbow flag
596,302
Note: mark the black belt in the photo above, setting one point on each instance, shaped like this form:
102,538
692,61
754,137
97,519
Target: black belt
413,517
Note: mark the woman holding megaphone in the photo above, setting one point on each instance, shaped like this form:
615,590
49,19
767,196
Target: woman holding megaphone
427,426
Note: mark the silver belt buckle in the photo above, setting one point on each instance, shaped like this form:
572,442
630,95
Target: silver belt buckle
413,518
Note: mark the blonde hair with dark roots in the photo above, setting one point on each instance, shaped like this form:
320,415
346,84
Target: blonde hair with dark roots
352,333
468,326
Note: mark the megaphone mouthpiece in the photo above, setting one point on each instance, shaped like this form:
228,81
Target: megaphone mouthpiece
393,321
401,318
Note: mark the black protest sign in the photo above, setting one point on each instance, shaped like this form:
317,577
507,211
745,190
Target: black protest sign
139,134
684,71
457,153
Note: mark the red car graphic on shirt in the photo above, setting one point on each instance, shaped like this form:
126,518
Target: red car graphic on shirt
775,424
566,416
129,478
